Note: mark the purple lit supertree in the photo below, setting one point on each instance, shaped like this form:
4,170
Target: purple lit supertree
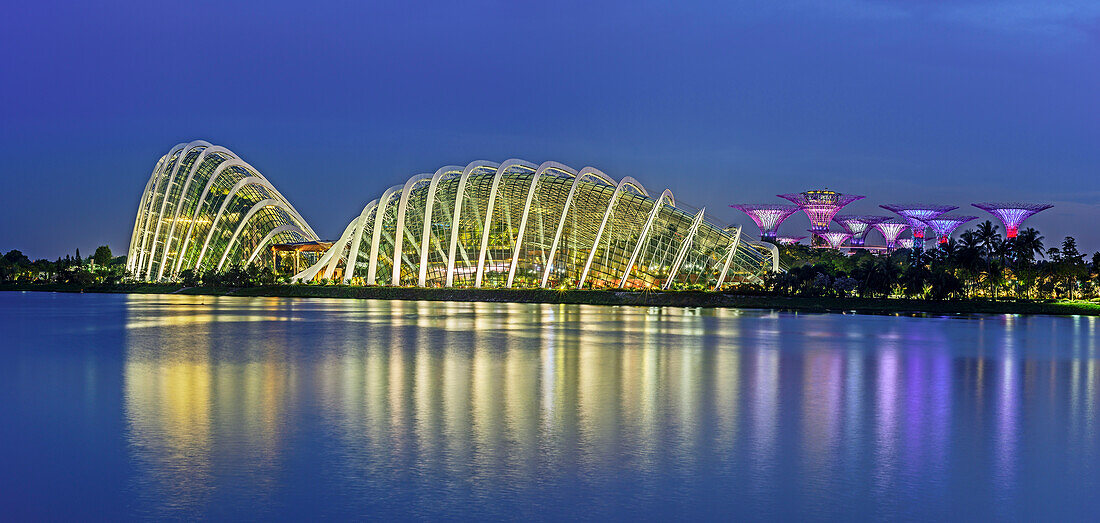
767,216
890,231
918,214
907,243
835,239
945,225
1012,214
789,240
859,226
820,206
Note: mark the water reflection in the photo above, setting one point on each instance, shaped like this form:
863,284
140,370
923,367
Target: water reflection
513,410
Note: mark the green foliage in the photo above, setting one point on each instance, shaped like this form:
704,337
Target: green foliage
980,264
102,255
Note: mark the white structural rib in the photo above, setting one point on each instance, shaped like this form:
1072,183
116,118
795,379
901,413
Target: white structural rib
429,207
501,171
684,248
271,234
259,206
353,252
667,195
626,181
152,201
311,272
527,210
164,202
729,258
179,204
587,171
379,215
131,253
243,182
234,162
459,192
399,232
341,244
773,249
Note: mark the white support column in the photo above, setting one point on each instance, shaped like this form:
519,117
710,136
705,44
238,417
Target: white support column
311,272
458,215
606,215
587,171
489,207
341,244
376,236
131,252
527,209
729,258
152,199
399,234
684,248
179,205
429,208
645,232
164,202
353,251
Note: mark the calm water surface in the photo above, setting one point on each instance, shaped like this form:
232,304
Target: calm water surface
164,406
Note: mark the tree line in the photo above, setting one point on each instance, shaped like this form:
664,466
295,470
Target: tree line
100,267
979,264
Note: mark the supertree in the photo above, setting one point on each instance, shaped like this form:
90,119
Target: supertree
767,216
918,214
835,239
890,230
907,243
820,207
859,226
789,240
945,225
1012,214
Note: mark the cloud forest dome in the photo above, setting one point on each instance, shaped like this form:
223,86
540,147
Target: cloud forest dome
205,208
517,224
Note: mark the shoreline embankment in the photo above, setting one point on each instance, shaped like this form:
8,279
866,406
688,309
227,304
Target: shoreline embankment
706,299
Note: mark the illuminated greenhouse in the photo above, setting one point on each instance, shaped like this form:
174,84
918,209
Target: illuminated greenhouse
205,208
517,224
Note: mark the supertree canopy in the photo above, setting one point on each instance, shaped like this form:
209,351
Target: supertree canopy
835,239
945,225
890,230
859,225
918,214
767,216
907,243
789,240
1012,214
820,206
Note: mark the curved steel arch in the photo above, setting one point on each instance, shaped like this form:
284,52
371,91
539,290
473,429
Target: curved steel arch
179,205
625,182
645,232
131,256
353,252
429,207
376,233
235,162
399,232
171,156
546,166
271,234
164,201
729,258
584,173
684,248
257,207
501,170
459,193
242,183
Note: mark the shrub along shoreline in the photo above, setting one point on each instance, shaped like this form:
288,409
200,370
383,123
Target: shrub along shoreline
602,297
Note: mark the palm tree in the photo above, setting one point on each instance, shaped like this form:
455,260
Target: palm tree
988,238
1027,245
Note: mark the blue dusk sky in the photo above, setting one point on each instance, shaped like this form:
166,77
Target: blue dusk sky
722,102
